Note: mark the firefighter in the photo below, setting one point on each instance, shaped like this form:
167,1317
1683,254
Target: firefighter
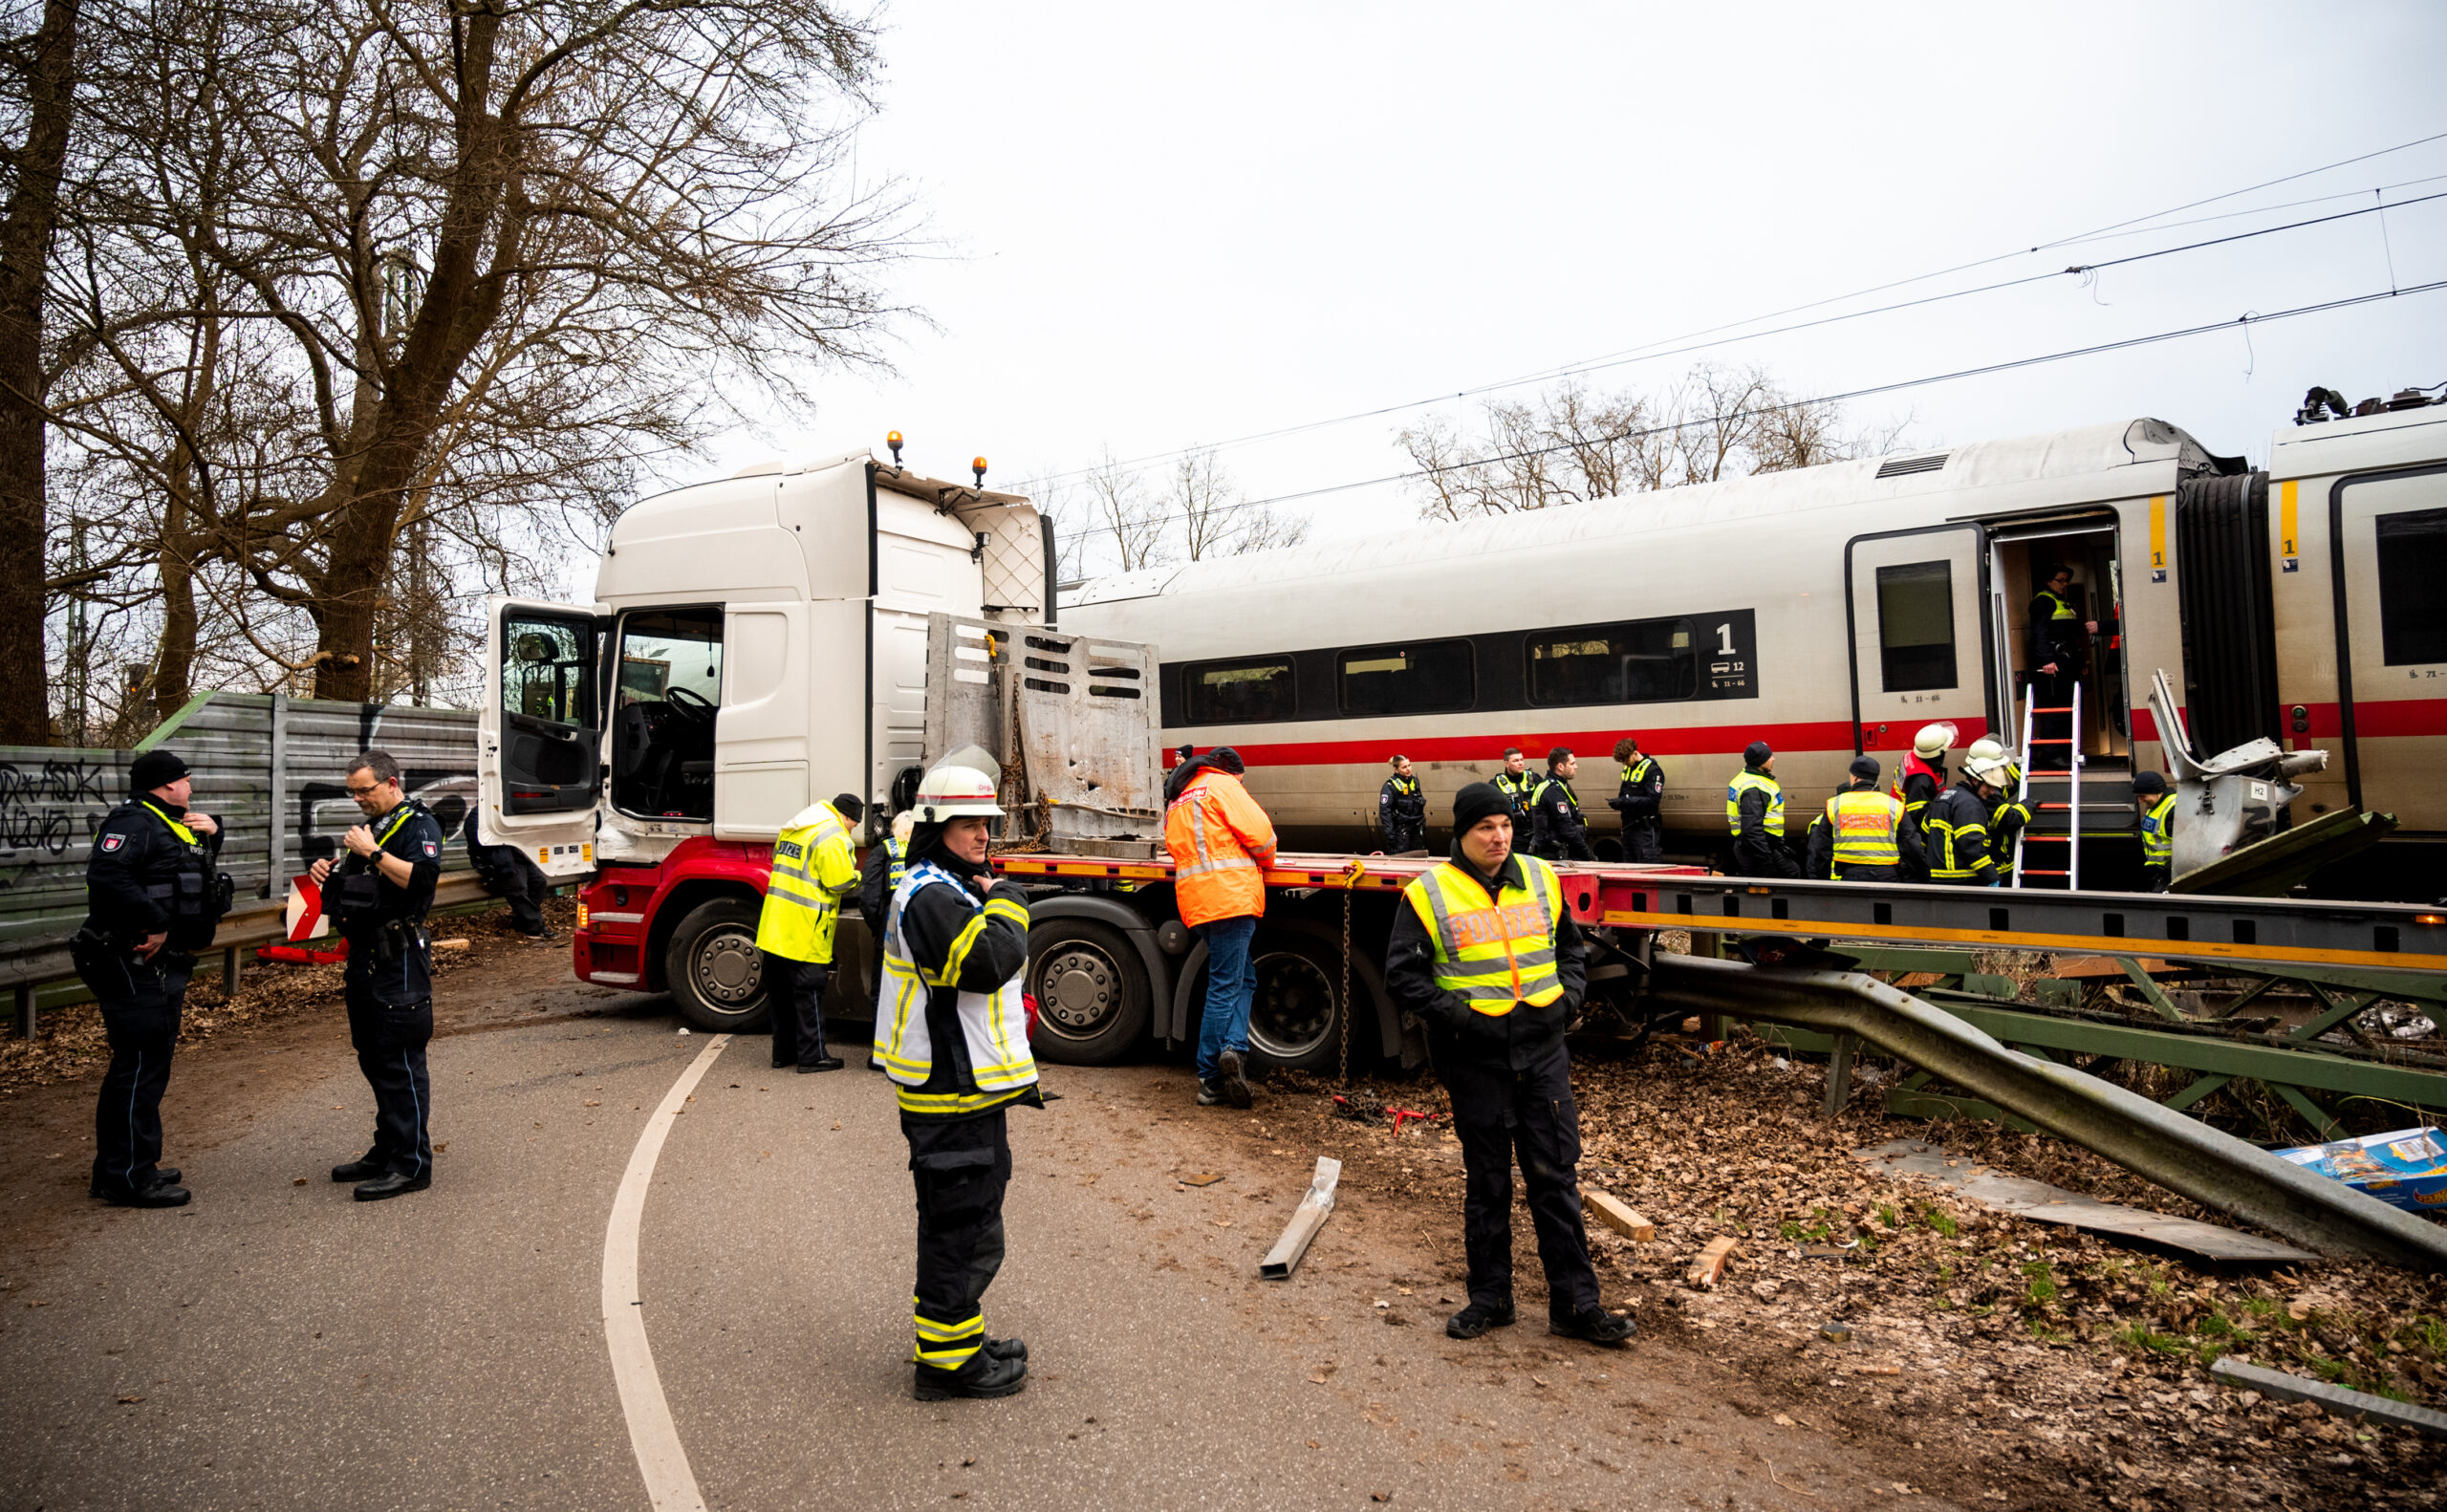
1953,829
1221,843
1754,810
2157,807
2011,814
152,901
950,1028
813,871
1637,800
1487,958
1560,834
1518,787
879,874
2057,647
1401,811
1860,836
378,894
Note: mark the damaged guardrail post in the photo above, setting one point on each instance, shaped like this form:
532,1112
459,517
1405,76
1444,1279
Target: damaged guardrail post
1306,1220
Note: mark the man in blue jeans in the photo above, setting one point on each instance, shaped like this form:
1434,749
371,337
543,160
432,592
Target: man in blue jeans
1221,843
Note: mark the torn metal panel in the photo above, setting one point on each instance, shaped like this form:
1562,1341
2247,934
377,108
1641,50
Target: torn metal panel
1306,1220
2023,1198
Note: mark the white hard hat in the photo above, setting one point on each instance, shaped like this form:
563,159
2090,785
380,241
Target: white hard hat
1933,741
1986,768
955,793
1987,747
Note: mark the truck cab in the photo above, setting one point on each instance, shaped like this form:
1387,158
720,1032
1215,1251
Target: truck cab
755,645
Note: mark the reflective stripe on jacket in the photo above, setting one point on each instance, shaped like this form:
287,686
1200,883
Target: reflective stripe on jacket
1956,825
2159,834
1865,825
1221,843
814,869
993,1025
1760,781
1493,952
1517,788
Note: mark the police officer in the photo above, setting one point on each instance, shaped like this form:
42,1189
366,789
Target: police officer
1637,800
2157,807
949,1026
152,900
1519,786
1954,828
378,896
510,874
1487,958
879,874
1402,810
813,871
1561,834
2056,649
1860,836
1754,811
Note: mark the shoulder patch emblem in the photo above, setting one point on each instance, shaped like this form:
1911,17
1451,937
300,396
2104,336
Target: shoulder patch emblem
431,850
112,842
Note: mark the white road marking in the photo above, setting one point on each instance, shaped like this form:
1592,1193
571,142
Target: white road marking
670,1483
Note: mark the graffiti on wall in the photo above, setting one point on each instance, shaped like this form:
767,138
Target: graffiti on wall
46,808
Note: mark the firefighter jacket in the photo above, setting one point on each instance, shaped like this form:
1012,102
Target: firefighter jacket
149,875
1861,836
2159,834
1518,789
1955,831
1454,970
880,877
1221,843
1754,810
1916,782
1401,807
2008,819
1555,819
1642,791
814,870
950,1029
2056,633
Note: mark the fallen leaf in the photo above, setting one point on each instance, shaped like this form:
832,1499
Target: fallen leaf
129,1402
1225,1222
595,1102
1202,1179
1537,1380
297,1180
1782,1421
1317,1380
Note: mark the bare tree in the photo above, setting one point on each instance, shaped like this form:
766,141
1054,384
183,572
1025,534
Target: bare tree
1216,520
1125,511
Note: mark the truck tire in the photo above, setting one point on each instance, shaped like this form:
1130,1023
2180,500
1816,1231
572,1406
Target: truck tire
1091,992
716,976
1294,1020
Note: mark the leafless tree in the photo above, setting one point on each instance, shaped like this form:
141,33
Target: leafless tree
1126,511
1215,518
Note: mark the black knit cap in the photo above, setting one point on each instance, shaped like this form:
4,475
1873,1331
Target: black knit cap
1475,802
848,806
1755,752
2148,782
155,769
1865,767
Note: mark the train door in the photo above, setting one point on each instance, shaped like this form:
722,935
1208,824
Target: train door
2389,556
1914,599
2074,563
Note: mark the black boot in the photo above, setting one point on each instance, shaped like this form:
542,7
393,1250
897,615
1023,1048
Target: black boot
364,1168
1005,1349
982,1374
1476,1319
165,1194
391,1184
1595,1324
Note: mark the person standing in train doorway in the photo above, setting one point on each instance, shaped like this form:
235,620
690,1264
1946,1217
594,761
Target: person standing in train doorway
1638,800
1401,811
1561,835
2057,646
1221,843
1754,810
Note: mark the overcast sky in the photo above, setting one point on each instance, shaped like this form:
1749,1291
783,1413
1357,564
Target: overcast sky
1166,226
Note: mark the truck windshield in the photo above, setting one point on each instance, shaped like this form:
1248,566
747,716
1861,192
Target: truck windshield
669,686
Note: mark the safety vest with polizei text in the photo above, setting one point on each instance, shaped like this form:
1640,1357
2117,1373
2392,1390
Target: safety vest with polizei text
993,1025
1745,783
2158,833
1864,825
1493,952
814,869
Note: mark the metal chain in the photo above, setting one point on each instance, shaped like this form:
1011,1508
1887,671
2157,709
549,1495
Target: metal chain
1350,880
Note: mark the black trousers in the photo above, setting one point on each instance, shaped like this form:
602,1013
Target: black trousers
1405,837
511,876
794,1001
1502,1115
390,1050
1643,840
1764,858
961,1168
141,1002
1559,847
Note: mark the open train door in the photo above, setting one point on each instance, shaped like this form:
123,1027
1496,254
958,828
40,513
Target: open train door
1919,650
539,732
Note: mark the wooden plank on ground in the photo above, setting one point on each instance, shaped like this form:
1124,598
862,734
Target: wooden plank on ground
1612,1212
1709,1267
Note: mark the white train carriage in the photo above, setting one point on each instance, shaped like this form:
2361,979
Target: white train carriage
1833,611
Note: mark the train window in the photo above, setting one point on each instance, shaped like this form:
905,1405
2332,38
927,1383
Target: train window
1645,662
2412,562
1240,692
1915,625
1427,678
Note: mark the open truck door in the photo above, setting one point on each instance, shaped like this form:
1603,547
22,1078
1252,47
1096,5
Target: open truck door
539,734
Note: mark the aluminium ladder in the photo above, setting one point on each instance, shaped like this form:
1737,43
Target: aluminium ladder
2071,872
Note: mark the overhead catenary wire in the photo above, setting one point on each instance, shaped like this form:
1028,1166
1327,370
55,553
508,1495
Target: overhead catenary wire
2116,228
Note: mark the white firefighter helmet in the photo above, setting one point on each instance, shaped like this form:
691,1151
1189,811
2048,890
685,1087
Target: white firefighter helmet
956,792
1987,747
1990,769
1933,741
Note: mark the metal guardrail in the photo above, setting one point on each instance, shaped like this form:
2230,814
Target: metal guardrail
2181,1154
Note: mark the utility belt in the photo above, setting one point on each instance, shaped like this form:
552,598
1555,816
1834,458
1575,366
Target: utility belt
386,941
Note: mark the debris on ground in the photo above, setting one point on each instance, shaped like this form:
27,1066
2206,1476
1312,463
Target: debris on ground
2406,1169
1709,1267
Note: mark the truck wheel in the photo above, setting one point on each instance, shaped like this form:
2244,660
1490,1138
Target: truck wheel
1294,1020
716,975
1091,993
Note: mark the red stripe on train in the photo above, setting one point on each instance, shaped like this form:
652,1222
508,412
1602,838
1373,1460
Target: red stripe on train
2375,717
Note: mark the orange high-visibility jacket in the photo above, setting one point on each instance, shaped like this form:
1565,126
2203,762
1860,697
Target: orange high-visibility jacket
1219,840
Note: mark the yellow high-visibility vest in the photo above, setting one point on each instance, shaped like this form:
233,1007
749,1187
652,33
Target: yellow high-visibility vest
1493,952
1864,824
1766,784
2158,833
813,871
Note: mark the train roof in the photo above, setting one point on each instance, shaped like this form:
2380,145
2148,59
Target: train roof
2087,451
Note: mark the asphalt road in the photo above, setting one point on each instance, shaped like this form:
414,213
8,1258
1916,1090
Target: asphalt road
276,1345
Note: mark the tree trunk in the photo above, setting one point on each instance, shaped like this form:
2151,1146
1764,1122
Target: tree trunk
25,252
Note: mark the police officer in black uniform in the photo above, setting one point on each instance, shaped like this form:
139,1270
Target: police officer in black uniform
378,896
1638,800
152,900
1402,810
1519,785
1562,834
